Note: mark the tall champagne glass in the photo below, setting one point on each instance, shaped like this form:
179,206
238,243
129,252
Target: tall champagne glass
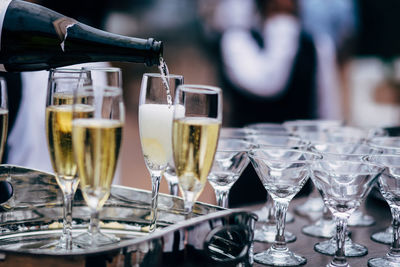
197,121
155,126
60,96
96,143
3,115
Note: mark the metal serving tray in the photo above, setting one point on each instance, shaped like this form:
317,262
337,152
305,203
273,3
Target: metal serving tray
31,218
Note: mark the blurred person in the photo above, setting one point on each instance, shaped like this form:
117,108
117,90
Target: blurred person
274,71
27,142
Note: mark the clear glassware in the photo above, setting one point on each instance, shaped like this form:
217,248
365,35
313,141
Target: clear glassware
389,145
325,225
229,162
62,84
390,189
311,130
155,127
343,185
283,172
3,115
96,142
195,134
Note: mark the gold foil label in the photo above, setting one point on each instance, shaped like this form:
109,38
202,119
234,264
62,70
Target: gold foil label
61,26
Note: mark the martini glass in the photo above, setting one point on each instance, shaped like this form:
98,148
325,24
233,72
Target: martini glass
389,186
308,130
229,162
267,232
339,152
283,172
389,145
343,185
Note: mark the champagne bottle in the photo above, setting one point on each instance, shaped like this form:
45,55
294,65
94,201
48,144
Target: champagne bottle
33,37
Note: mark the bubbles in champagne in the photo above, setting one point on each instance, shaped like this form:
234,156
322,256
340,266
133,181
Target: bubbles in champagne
164,74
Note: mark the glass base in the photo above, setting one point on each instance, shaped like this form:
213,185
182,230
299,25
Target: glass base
279,257
351,249
358,218
263,215
87,240
313,208
59,245
387,261
321,228
384,237
267,234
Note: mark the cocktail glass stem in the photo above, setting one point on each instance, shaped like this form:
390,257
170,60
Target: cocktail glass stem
222,197
280,216
341,227
395,248
155,186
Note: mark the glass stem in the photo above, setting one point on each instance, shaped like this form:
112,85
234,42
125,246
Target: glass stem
341,227
395,248
173,189
155,186
67,220
94,223
222,198
280,216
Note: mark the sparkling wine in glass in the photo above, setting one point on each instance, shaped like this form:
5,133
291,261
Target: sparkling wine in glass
155,128
197,121
63,83
283,172
96,144
229,162
343,185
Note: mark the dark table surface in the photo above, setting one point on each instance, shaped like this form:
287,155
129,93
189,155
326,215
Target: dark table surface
304,245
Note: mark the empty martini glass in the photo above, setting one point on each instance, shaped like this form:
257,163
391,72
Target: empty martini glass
229,162
390,189
343,185
339,152
389,145
283,172
267,232
307,130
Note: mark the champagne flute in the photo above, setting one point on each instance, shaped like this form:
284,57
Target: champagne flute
195,133
60,96
3,115
96,143
155,127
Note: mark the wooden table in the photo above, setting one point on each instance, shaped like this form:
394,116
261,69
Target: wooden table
304,245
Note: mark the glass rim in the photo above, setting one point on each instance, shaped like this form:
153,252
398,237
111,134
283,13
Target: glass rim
105,69
318,156
242,141
68,69
158,75
198,88
311,122
369,158
352,162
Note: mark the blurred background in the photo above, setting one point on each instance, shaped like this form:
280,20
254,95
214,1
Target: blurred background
274,59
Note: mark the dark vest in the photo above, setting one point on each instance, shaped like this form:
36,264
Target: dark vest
298,101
